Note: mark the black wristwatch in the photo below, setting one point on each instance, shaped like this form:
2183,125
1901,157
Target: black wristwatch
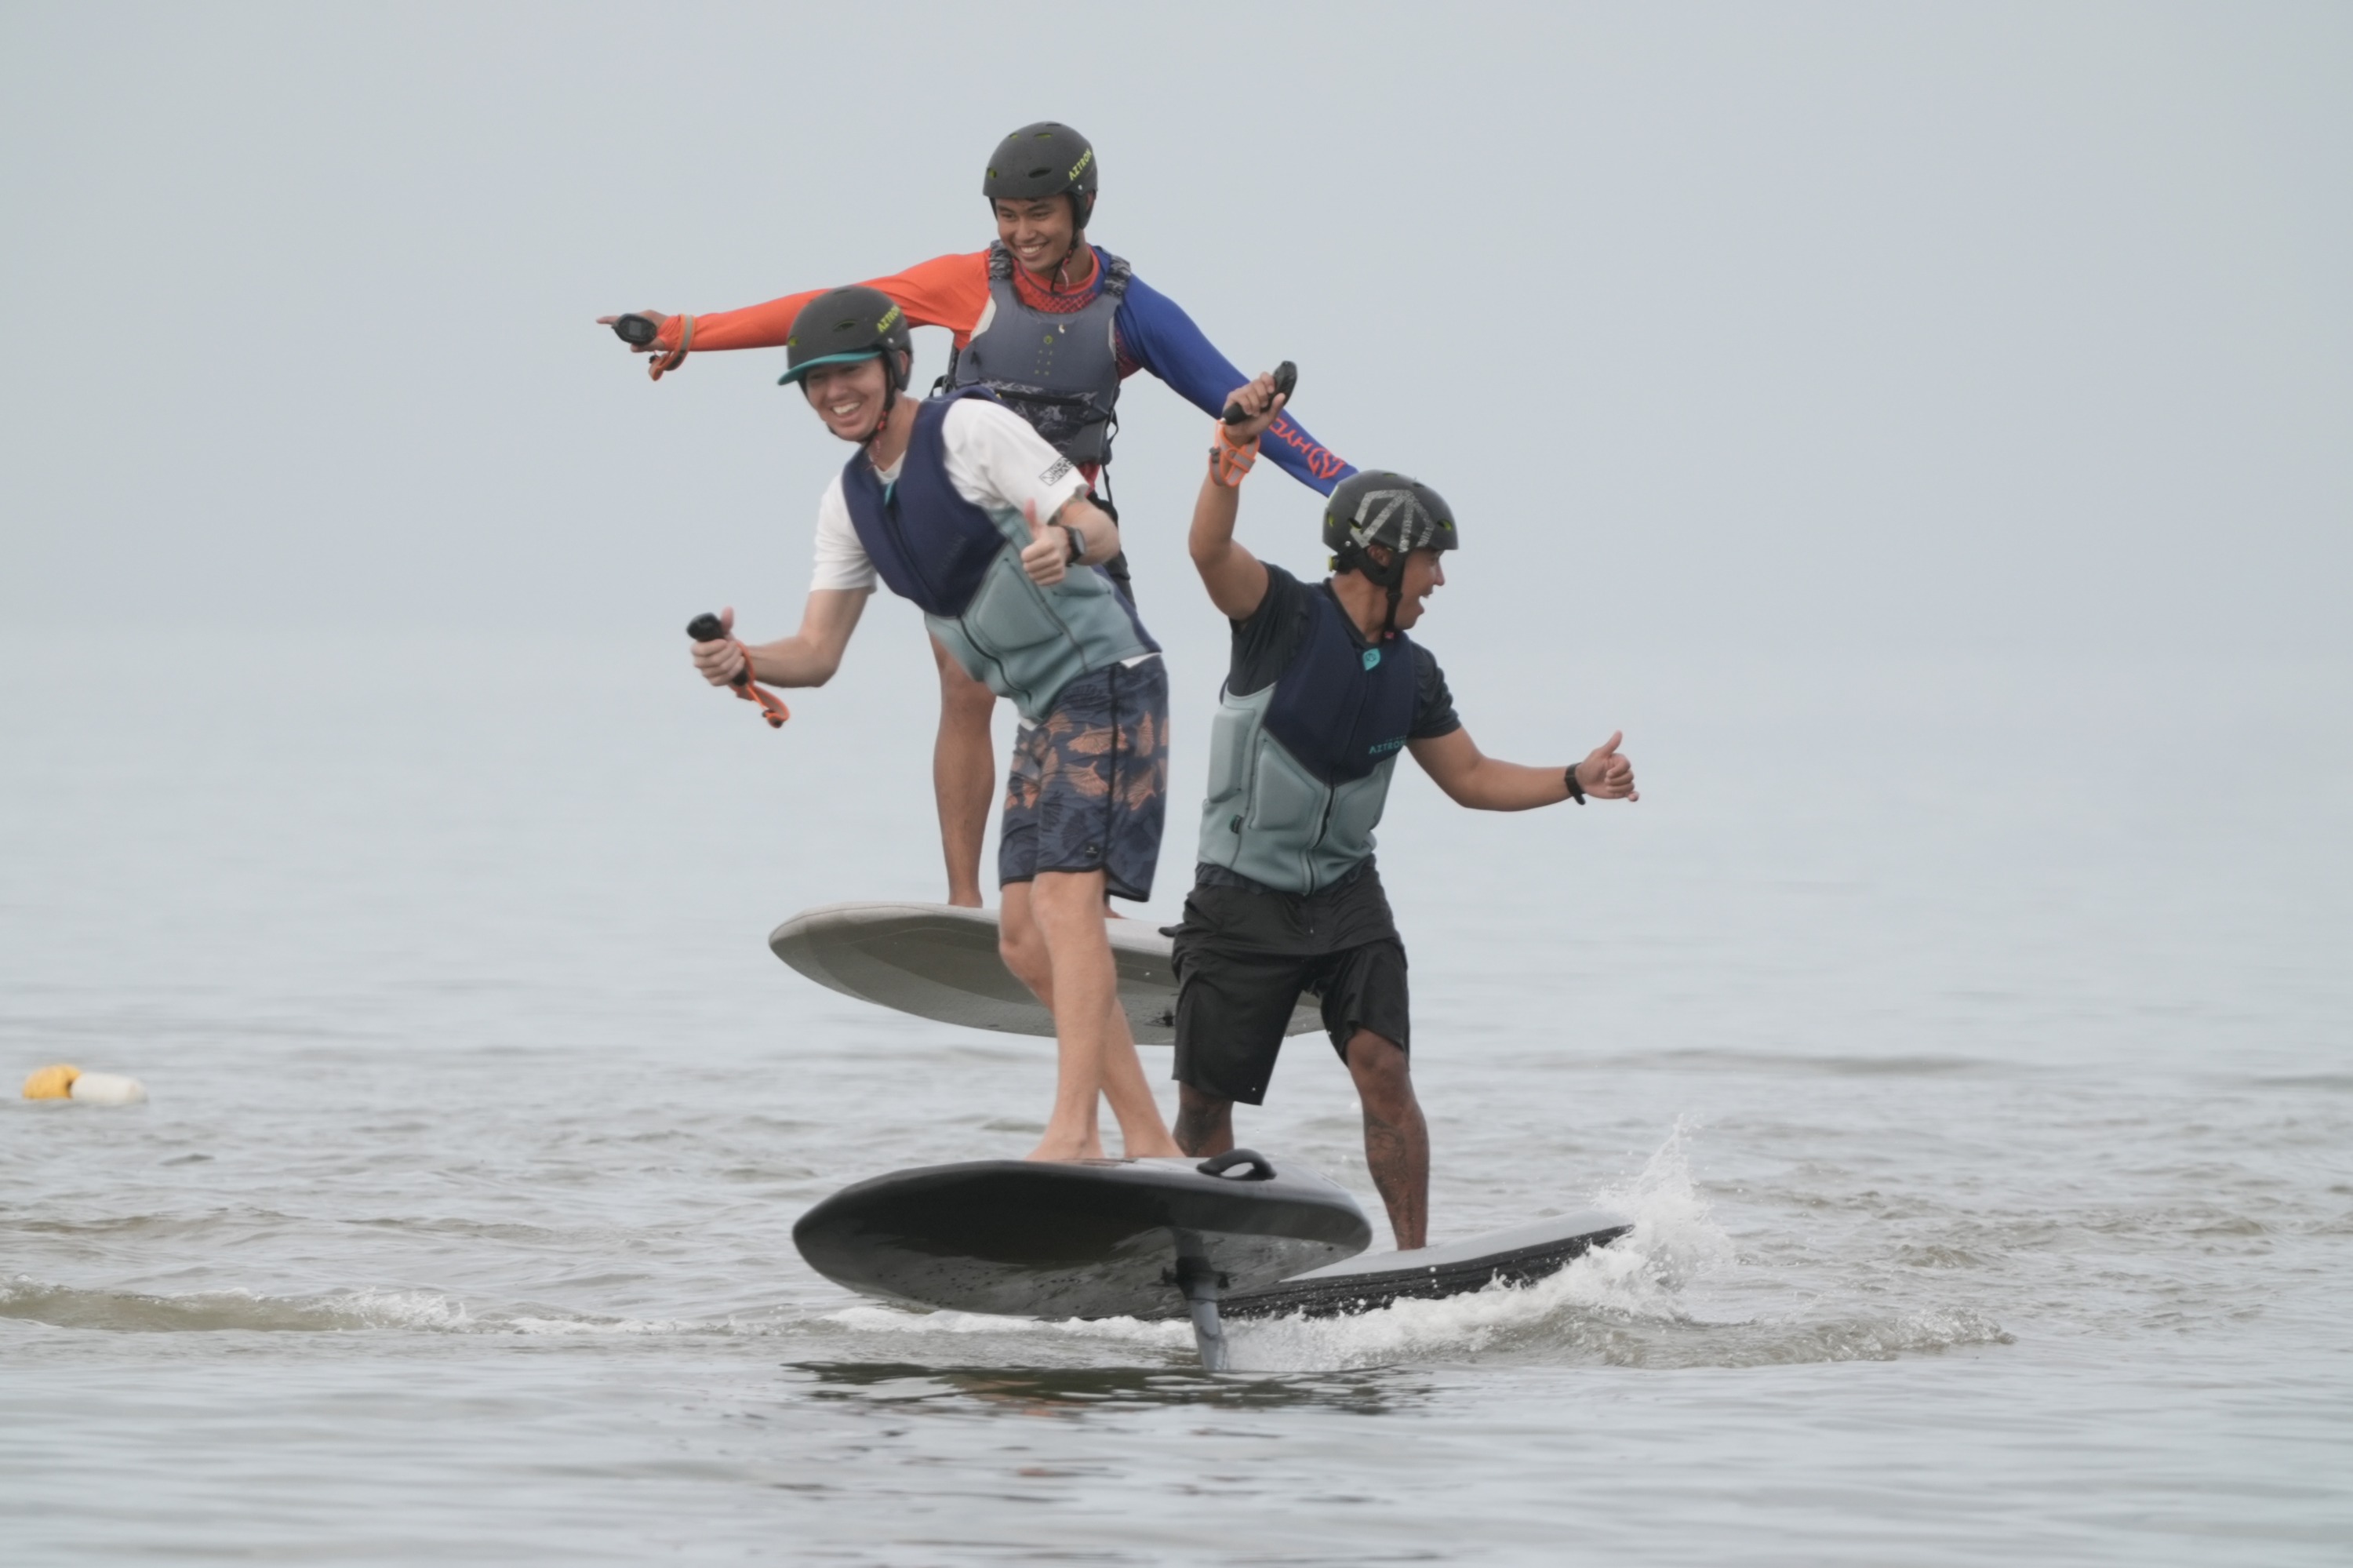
1575,791
1077,542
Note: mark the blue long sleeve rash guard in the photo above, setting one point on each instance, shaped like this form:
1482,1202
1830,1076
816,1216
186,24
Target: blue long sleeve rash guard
1157,335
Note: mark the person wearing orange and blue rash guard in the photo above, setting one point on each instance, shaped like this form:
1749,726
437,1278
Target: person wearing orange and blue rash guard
1052,324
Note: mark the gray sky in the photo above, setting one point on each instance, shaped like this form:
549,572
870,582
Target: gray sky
1868,329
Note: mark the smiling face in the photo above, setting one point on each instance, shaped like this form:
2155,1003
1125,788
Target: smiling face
1039,231
848,397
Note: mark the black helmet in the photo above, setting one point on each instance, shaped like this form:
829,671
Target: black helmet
842,325
1377,507
1044,160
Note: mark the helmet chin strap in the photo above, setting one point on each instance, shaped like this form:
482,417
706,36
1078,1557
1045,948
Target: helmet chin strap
1062,268
1392,577
1077,237
889,401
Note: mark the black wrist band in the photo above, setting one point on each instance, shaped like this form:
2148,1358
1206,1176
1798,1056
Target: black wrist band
1575,791
1078,543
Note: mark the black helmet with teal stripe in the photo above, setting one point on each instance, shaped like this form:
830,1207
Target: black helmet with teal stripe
843,325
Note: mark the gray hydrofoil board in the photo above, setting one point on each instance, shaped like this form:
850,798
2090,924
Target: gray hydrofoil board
940,962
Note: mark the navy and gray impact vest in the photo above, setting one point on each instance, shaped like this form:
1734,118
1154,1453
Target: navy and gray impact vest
962,565
1300,770
1059,372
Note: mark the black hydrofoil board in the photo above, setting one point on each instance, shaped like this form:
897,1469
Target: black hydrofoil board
1519,1255
1089,1238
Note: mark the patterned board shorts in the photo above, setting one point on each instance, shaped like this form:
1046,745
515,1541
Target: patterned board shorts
1087,789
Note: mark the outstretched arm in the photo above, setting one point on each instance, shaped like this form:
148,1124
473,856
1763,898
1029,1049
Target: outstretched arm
1162,338
1483,783
947,291
1236,578
807,658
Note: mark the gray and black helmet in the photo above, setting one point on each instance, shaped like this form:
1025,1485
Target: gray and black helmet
843,325
1377,507
1044,160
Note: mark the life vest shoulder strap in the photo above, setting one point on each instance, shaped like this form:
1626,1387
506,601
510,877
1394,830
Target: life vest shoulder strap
1116,271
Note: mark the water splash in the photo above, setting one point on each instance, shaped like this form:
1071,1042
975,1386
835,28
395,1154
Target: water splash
1580,1312
1676,1238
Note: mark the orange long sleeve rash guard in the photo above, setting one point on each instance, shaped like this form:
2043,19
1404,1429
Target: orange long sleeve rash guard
952,291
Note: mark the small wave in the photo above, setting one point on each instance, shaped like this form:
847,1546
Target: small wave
216,1311
1856,1066
1858,1339
1169,1335
234,1311
2339,1083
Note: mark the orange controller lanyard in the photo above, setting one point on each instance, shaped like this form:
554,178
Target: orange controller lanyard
706,629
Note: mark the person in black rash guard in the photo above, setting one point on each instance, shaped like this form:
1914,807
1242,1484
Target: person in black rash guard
1324,690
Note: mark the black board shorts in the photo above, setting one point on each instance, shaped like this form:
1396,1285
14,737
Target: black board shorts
1244,954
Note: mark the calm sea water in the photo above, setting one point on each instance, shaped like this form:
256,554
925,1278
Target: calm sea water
1972,1044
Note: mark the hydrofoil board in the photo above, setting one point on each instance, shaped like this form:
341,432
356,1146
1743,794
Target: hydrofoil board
940,962
1518,1255
1083,1238
1230,1235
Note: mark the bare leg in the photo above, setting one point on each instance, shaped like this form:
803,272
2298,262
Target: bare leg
1205,1124
964,775
1023,945
1095,1054
1396,1141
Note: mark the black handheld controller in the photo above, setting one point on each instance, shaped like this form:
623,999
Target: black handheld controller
709,628
1286,376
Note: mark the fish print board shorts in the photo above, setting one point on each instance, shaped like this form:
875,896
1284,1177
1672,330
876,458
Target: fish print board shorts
1246,952
1087,789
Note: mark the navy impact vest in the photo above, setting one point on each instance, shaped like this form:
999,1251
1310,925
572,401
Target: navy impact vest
961,564
1059,372
1299,771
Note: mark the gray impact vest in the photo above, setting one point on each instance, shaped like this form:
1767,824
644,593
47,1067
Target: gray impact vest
1059,372
1299,771
961,564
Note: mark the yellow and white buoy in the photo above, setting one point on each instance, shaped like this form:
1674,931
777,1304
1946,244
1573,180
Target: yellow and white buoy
59,1082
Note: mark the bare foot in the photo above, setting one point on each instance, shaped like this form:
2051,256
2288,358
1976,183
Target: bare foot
1053,1148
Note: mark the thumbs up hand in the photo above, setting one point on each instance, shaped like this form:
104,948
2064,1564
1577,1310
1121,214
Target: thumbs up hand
1605,775
1047,557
